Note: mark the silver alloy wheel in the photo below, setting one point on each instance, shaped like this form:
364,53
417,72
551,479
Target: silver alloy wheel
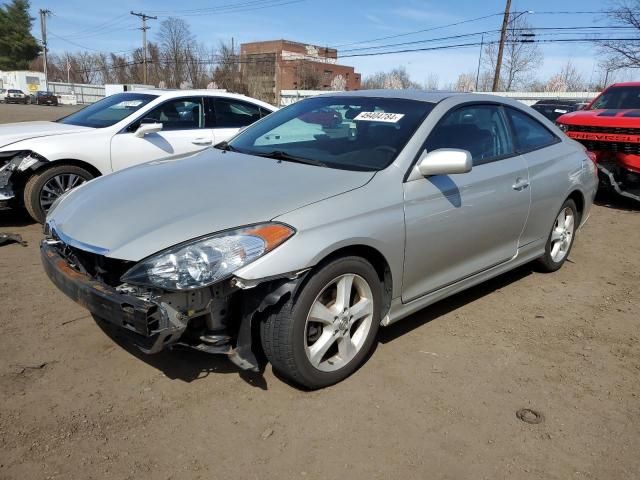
562,234
339,322
56,186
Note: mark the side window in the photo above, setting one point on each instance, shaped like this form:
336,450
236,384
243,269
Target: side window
528,132
264,112
177,114
480,129
234,114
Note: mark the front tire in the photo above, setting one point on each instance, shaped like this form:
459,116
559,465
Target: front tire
561,238
325,333
43,188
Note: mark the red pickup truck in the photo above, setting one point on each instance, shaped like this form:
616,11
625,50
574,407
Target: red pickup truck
609,127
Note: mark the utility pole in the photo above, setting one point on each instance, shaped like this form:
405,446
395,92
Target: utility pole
144,29
503,37
43,30
479,60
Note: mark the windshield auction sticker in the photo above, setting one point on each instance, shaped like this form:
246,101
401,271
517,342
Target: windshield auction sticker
379,117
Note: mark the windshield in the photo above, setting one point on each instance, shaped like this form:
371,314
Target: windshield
618,98
108,111
353,133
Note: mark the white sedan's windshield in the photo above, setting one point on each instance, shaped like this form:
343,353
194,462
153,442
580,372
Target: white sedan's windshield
354,133
108,111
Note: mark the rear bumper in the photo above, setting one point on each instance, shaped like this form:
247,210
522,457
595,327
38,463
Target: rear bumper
144,322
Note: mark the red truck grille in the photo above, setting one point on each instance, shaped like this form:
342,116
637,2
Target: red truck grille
616,147
612,130
607,139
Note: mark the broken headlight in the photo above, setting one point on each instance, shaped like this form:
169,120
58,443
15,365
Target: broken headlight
204,261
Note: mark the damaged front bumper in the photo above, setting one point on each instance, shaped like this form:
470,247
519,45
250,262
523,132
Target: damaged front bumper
147,325
218,319
11,164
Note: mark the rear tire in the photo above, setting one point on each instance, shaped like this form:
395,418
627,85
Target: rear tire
313,339
57,180
561,238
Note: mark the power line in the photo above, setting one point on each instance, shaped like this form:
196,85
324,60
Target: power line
231,8
463,22
572,30
64,39
388,37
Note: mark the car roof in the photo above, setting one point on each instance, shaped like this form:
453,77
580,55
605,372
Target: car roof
427,97
418,95
165,94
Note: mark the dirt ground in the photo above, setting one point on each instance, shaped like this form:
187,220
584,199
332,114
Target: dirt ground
437,400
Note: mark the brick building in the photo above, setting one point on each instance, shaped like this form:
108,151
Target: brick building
272,66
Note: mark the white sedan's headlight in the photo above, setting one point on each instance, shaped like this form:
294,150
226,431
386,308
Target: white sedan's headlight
207,260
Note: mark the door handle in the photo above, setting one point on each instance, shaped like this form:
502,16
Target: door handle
520,184
202,141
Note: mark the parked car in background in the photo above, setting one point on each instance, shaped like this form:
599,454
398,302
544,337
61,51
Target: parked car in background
314,240
552,109
39,161
3,94
16,96
45,98
610,128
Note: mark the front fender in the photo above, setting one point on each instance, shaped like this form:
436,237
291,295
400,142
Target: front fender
372,215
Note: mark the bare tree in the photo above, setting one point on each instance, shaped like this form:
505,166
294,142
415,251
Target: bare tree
309,78
568,79
624,53
227,71
197,71
398,78
175,37
520,57
432,82
466,82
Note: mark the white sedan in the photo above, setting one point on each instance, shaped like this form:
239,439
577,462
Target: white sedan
39,161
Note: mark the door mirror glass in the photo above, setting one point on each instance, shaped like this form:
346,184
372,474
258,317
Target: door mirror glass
146,128
445,161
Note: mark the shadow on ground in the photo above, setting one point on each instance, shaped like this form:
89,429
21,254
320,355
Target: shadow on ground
448,305
184,364
613,200
15,218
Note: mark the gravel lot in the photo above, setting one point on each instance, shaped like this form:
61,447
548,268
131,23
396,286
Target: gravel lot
438,399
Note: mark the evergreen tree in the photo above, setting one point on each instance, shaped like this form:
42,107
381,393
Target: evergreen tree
18,46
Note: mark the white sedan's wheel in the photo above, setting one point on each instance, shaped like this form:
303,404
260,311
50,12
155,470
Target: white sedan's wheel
339,322
325,332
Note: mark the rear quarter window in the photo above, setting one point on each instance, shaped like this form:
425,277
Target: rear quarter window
529,134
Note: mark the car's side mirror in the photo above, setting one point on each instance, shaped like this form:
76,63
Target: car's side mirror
445,161
146,128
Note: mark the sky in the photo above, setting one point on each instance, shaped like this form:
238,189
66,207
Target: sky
345,24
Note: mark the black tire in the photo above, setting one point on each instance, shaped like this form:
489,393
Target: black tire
283,331
546,263
34,185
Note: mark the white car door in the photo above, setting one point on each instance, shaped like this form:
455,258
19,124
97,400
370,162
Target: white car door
182,133
226,116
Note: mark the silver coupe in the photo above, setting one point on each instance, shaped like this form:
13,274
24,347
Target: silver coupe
304,233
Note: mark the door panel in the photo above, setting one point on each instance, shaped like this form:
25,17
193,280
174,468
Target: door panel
183,133
459,225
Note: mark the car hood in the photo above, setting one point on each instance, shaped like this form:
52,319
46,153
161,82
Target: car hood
14,132
141,210
602,118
